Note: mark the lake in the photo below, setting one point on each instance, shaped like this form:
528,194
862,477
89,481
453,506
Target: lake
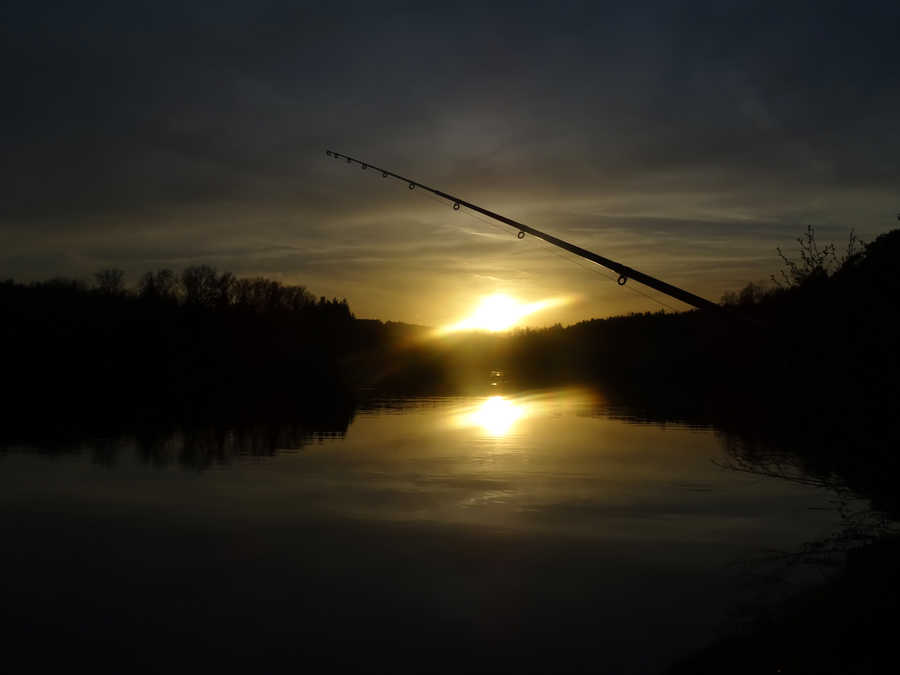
531,532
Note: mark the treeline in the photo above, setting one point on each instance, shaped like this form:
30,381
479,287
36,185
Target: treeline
813,360
179,344
202,286
814,355
826,334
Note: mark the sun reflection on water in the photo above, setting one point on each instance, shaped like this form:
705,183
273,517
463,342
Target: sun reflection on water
502,415
497,415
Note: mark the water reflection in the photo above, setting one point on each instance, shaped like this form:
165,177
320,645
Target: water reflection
194,446
503,415
497,415
538,519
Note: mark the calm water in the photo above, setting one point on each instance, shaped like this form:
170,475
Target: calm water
505,533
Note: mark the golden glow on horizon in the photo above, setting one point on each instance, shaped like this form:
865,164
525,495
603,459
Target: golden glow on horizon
499,312
497,415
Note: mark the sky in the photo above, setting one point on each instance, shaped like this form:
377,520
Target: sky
685,139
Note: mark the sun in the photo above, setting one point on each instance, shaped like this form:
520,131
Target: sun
495,313
500,312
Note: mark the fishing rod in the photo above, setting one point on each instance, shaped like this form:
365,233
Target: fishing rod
625,273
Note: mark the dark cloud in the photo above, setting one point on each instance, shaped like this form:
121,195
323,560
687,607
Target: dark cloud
158,133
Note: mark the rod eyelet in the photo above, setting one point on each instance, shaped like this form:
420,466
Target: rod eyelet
622,280
412,186
520,235
456,206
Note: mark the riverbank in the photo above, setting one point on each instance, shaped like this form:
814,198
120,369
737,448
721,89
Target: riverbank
845,626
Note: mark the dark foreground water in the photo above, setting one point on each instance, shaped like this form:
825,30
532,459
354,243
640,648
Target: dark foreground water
541,533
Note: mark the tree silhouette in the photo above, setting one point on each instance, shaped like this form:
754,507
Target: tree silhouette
110,281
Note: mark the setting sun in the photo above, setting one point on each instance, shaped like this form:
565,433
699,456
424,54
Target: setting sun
499,312
496,312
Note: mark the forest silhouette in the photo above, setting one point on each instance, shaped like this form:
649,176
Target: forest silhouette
191,344
814,355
